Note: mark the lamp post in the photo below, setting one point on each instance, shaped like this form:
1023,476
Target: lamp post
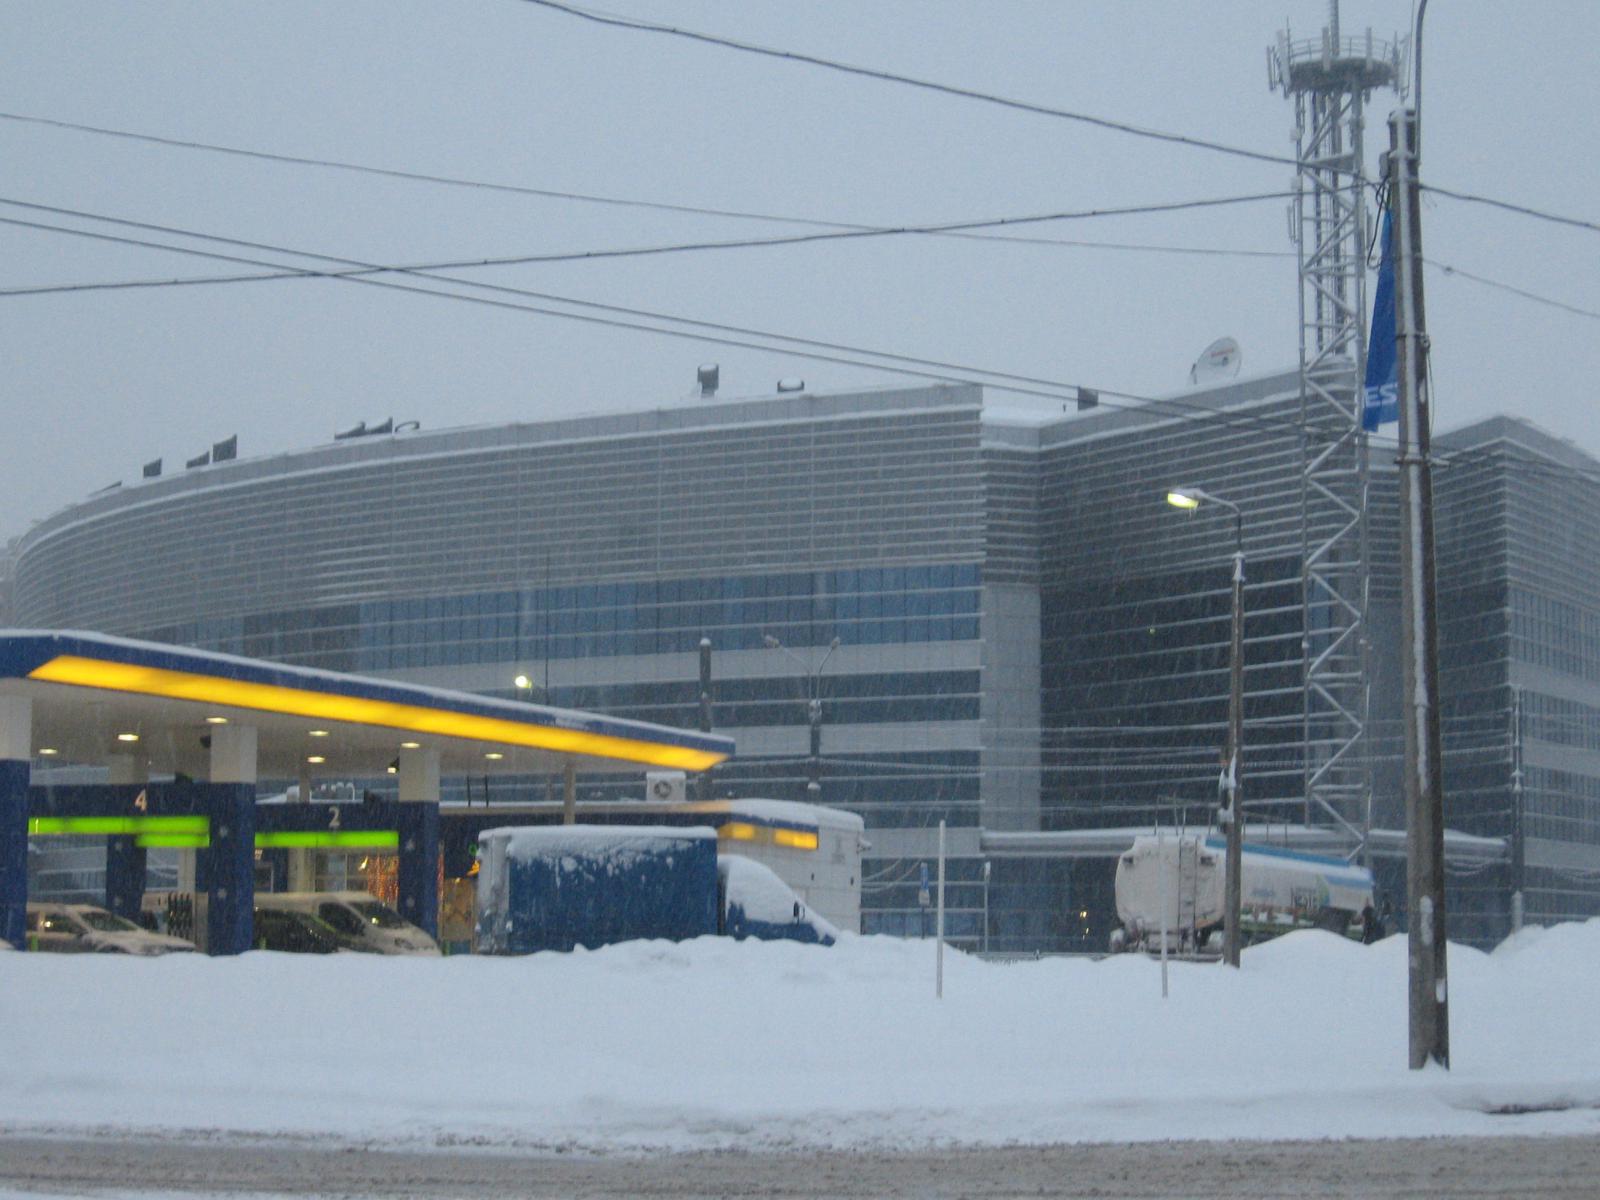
1232,815
813,710
986,866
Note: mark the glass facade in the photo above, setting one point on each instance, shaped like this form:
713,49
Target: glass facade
1029,638
1137,612
863,606
592,556
1519,609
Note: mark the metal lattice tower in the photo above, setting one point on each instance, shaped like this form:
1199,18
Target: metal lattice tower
1330,78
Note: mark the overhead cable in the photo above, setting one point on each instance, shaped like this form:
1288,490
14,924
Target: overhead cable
355,271
358,272
642,26
592,198
853,233
1506,205
1447,269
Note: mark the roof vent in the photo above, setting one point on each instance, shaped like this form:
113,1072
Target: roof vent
791,384
710,375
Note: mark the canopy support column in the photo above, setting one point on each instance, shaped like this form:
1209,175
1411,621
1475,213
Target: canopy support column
16,752
419,838
230,877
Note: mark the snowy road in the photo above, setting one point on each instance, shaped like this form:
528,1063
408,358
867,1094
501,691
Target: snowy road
1523,1168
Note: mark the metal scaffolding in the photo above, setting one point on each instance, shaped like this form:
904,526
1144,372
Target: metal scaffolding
1330,78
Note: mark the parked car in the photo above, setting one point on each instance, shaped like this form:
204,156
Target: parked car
359,920
86,929
295,933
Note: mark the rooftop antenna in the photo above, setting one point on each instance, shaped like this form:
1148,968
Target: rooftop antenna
1330,78
1218,363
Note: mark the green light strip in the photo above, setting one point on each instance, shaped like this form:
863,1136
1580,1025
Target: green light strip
329,839
194,833
119,826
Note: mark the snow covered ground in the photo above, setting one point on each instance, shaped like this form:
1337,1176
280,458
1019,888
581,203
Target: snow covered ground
713,1044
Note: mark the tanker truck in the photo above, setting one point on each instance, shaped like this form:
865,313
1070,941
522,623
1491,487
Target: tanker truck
1184,872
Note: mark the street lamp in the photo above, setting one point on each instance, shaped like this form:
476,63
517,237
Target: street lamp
986,866
1232,815
813,709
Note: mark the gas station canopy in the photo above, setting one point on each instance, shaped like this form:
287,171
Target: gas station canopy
93,696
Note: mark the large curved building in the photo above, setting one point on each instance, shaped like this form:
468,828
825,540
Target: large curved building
999,622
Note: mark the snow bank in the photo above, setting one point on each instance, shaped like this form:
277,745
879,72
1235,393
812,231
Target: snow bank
756,897
622,844
771,1045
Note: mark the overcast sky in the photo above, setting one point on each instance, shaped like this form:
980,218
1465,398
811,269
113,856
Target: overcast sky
98,382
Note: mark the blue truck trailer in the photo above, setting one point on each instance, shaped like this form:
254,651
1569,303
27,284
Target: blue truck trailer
557,887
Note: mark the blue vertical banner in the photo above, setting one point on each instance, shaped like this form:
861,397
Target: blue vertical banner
1381,402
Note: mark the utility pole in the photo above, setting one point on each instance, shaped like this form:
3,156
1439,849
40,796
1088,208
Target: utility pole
1234,872
703,783
1519,853
1424,788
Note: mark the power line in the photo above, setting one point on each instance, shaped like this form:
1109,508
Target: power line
360,272
1447,269
395,173
779,240
946,89
591,198
732,214
1506,205
358,269
362,275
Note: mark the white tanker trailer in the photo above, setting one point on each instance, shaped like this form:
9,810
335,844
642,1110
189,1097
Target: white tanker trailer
1184,872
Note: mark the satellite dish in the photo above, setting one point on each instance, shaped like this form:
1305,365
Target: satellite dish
1218,362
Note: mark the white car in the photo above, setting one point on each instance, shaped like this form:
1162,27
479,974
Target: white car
361,920
86,929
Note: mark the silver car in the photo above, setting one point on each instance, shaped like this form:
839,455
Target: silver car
86,929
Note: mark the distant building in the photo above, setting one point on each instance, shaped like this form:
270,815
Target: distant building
1519,632
1029,639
